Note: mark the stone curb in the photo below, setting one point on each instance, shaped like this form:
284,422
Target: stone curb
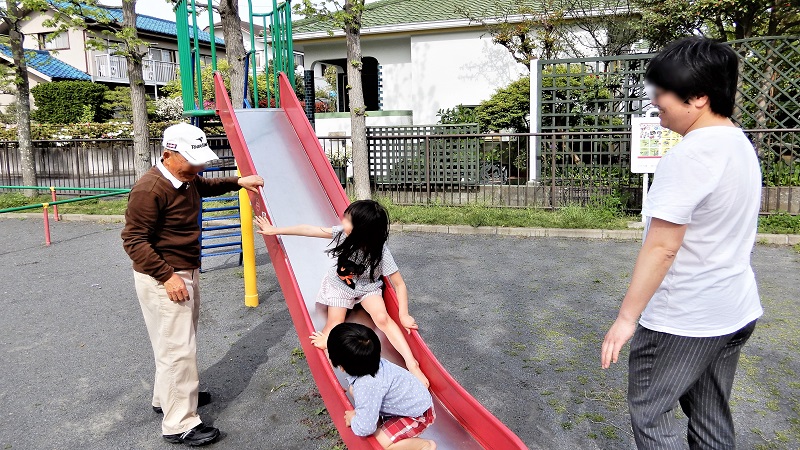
622,235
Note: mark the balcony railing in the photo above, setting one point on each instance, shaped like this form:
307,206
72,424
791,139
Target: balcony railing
115,68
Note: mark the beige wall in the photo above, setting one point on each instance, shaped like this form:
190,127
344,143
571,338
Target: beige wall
7,99
75,55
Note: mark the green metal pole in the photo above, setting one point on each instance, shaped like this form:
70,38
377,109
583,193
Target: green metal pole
253,55
289,43
196,51
47,188
61,202
213,37
276,57
266,57
184,56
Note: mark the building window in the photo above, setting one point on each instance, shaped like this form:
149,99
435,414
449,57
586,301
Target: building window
160,54
58,42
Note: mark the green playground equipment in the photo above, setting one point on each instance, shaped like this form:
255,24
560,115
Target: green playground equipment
277,36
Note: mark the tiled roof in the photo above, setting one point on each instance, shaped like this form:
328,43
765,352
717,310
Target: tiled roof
144,22
396,12
42,61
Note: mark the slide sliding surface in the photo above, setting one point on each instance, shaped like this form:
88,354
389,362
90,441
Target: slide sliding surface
301,187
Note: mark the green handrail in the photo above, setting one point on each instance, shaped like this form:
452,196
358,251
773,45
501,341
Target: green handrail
58,202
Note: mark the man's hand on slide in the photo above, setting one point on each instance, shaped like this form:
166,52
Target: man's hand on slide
176,289
619,334
408,323
264,227
348,417
251,183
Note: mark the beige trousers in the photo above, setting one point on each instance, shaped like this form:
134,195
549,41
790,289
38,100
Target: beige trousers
172,328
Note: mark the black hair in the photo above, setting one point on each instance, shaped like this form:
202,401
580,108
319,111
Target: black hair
370,232
697,66
355,348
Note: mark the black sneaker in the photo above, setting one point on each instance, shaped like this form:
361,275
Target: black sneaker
203,398
197,436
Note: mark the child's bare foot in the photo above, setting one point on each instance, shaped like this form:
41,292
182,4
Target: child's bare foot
319,340
417,372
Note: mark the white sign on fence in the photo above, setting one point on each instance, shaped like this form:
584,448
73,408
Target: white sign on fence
649,142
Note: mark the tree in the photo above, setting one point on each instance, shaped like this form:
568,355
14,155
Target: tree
13,15
507,109
529,32
668,20
120,39
234,48
347,17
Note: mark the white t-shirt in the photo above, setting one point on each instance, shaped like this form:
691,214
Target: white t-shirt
711,181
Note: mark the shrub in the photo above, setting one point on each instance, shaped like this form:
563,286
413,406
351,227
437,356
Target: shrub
507,109
168,109
69,102
117,104
110,130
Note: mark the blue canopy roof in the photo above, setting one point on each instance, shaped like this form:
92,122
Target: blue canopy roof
42,61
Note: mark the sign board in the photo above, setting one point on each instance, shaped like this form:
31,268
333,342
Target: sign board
649,142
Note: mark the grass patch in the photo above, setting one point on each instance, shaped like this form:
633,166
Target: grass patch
779,223
596,216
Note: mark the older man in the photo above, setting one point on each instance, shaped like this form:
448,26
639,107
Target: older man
161,237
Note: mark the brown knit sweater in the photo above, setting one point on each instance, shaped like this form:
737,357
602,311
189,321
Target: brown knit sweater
161,231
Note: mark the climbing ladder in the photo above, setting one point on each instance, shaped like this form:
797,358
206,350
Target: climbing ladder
219,219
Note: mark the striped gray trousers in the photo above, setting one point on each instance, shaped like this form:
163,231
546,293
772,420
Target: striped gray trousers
664,370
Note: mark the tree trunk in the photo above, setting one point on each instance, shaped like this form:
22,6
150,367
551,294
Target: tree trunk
27,157
141,134
358,110
234,49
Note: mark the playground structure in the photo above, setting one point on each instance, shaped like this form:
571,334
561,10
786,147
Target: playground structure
46,206
301,186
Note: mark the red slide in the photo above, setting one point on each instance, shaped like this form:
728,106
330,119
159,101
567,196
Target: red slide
289,156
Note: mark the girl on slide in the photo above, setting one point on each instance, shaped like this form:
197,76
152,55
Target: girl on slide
362,259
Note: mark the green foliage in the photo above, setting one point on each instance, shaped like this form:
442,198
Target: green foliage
110,130
69,102
576,97
457,115
779,223
9,114
117,104
781,173
508,108
728,20
597,215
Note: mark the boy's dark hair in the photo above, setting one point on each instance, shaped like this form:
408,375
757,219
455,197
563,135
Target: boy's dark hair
370,232
696,66
355,348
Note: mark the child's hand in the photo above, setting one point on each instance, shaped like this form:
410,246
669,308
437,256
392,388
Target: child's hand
348,417
265,227
319,340
408,323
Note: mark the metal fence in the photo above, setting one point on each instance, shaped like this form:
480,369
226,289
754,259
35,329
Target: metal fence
95,163
604,93
447,169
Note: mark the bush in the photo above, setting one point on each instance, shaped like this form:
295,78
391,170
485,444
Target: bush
507,109
168,109
9,115
117,104
69,102
457,115
110,130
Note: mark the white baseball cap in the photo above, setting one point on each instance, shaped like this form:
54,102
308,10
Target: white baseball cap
189,141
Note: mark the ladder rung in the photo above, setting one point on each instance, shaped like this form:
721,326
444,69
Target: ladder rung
221,236
219,199
224,244
221,208
211,219
220,227
232,252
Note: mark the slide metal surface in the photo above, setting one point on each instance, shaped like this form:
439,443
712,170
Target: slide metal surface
301,187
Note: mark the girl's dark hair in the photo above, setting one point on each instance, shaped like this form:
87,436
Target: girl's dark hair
355,348
370,232
697,66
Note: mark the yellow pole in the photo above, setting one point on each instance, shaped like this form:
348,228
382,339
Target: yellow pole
248,249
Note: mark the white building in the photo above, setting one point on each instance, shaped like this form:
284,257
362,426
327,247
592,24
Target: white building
419,57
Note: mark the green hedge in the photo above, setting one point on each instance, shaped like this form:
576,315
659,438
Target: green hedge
110,130
69,102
